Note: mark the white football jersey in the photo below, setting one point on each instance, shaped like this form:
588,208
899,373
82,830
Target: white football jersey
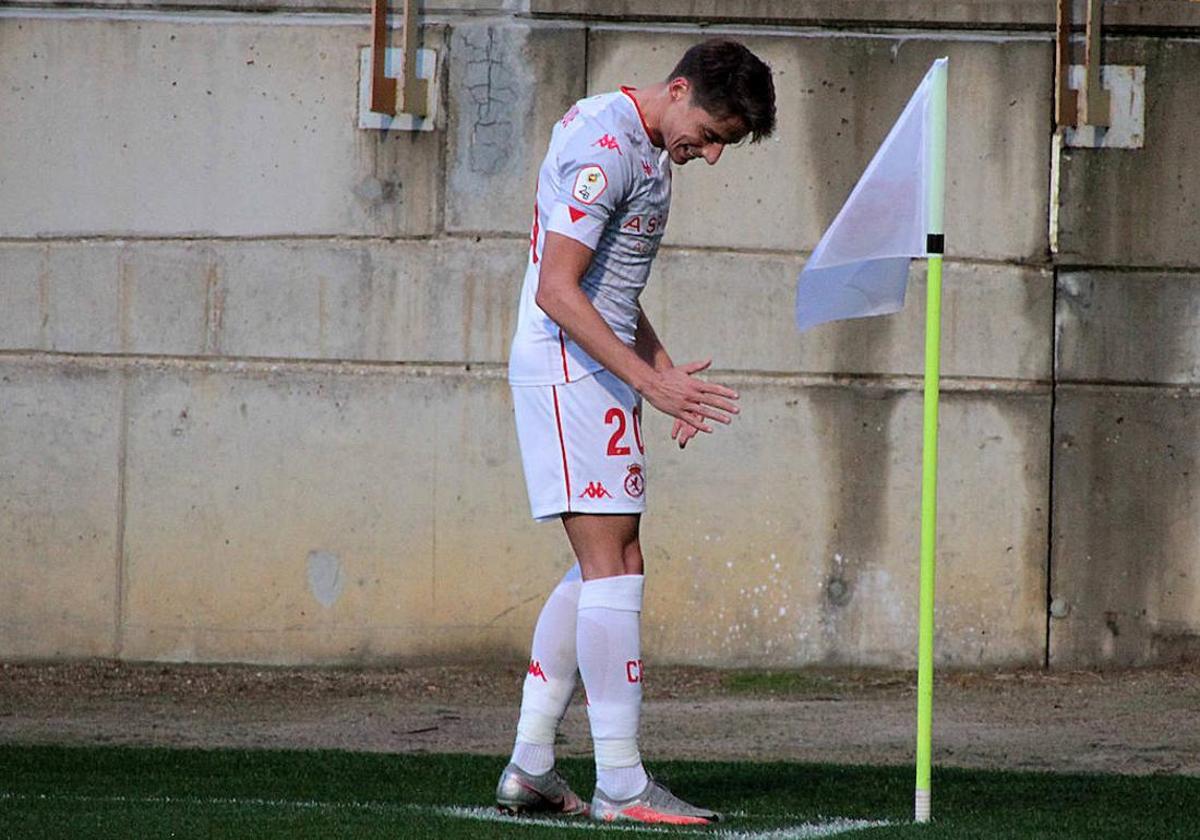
603,183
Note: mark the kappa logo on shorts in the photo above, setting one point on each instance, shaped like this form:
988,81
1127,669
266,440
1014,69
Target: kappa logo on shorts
535,670
647,168
595,490
635,482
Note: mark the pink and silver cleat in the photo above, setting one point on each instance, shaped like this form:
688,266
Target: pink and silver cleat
655,804
519,792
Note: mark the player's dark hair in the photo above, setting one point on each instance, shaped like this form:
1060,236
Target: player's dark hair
730,81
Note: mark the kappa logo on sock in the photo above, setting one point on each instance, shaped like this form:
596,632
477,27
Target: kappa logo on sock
633,670
595,490
535,670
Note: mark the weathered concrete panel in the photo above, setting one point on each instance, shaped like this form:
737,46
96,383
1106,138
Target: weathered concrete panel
325,514
59,498
1126,526
455,300
738,309
223,125
108,297
443,301
818,559
1140,207
67,299
167,295
837,98
509,83
1129,327
1172,15
428,8
428,300
22,298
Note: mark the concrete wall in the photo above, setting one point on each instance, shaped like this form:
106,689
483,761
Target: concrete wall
1127,411
252,396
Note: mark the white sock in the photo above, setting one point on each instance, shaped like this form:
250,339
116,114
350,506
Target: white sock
610,662
551,677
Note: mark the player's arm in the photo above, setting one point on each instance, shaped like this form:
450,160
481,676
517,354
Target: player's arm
651,349
648,346
672,390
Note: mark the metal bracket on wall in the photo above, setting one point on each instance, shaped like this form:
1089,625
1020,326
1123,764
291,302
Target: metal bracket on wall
413,90
1091,104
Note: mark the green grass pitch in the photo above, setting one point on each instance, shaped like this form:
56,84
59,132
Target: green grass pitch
99,792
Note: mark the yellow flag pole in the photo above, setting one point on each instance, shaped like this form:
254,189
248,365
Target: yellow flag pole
935,178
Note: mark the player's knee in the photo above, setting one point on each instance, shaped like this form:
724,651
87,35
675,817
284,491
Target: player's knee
632,558
602,566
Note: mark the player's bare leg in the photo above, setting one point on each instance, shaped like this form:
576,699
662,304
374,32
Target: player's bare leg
606,545
608,644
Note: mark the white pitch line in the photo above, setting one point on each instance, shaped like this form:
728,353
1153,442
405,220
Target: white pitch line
820,828
213,800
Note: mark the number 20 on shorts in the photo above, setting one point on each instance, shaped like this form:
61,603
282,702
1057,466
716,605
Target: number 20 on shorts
616,445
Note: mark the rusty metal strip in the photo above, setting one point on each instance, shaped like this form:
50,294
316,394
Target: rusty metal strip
1066,110
1096,105
416,91
383,88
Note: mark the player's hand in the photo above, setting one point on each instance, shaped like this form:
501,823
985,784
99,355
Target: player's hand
683,432
677,391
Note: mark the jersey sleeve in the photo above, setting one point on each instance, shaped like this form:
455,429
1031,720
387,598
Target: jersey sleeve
594,181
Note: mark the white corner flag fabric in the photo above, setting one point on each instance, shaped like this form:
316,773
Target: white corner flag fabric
860,266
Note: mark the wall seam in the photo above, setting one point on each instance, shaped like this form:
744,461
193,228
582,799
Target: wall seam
1032,264
1054,347
121,594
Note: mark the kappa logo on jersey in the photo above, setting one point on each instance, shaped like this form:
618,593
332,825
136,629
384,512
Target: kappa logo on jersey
609,142
635,482
570,115
535,670
590,184
595,490
647,168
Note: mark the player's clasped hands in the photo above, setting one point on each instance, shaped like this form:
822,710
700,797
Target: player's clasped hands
691,400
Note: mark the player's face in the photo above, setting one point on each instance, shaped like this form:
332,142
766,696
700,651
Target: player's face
691,132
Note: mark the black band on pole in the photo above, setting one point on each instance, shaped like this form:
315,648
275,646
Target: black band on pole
935,243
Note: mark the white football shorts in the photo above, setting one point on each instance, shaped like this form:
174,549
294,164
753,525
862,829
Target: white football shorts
581,446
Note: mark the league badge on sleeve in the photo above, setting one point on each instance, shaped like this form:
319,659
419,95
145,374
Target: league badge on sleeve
590,184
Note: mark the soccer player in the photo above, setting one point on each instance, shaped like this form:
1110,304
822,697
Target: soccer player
583,359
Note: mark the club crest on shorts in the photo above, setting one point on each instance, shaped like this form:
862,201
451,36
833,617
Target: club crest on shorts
590,184
635,482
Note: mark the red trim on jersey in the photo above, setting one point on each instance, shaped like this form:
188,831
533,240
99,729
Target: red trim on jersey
628,91
562,345
562,444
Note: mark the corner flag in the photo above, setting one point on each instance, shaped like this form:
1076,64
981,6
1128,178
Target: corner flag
860,266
